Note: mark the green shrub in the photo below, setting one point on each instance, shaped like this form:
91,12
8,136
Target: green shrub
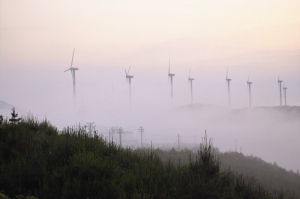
3,196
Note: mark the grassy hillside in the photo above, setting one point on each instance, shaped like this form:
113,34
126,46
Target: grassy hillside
272,177
38,160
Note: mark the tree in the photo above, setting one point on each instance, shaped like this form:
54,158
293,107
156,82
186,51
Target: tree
1,119
14,117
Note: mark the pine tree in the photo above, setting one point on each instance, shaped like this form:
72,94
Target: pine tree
14,117
1,119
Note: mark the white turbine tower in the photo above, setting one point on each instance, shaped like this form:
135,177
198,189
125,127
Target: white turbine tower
228,80
284,94
280,90
73,70
249,83
190,79
129,77
171,75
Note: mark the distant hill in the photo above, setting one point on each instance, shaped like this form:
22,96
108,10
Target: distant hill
199,107
270,176
277,111
5,106
280,109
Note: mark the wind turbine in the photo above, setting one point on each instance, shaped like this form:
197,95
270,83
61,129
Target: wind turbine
171,75
228,80
190,79
73,70
280,90
249,83
284,93
129,77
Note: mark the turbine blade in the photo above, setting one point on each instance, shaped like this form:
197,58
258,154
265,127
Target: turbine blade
129,69
72,57
227,73
67,70
169,70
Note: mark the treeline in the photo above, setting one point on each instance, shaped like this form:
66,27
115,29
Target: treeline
275,179
38,161
270,176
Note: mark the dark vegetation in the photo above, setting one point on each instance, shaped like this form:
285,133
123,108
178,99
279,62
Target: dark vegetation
272,177
37,160
14,116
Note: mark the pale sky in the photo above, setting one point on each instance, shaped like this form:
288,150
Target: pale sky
32,28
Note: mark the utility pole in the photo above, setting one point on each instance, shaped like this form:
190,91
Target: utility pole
120,131
178,142
141,130
235,145
91,127
111,135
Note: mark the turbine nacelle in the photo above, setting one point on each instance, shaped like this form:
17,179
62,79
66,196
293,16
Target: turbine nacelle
171,75
227,78
72,69
127,75
191,79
